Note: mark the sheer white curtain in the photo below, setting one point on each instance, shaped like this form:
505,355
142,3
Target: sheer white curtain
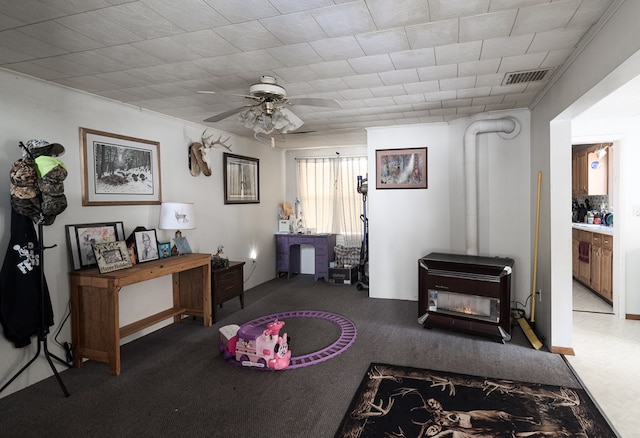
329,198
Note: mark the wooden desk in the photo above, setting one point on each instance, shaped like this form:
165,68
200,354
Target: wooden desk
288,253
95,321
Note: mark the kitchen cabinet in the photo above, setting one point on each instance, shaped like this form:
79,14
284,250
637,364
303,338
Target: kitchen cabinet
597,273
588,179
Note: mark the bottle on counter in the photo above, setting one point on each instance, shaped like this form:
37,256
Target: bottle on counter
590,217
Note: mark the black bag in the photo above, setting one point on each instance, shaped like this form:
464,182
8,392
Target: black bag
21,291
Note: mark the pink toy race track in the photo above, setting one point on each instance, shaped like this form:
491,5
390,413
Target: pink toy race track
252,346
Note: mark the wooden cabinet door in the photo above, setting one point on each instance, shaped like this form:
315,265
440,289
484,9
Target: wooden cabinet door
596,267
582,175
606,284
575,261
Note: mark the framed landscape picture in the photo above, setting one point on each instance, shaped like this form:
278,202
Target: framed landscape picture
119,170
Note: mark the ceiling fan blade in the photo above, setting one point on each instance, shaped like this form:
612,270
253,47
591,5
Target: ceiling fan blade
226,114
315,101
229,94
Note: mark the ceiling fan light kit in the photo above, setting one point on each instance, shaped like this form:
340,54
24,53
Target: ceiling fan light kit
269,114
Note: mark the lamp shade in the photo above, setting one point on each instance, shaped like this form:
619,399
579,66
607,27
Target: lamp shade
177,216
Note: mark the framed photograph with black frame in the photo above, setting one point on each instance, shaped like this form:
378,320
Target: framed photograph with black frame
112,256
241,179
82,237
146,246
119,170
401,168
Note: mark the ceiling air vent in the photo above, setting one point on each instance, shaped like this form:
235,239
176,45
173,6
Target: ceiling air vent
521,77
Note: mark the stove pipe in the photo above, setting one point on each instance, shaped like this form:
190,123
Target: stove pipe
508,125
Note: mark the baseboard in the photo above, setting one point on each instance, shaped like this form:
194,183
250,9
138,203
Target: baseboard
567,351
632,316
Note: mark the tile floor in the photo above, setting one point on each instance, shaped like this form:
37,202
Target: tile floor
607,359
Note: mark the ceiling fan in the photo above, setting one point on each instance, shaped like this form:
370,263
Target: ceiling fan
268,113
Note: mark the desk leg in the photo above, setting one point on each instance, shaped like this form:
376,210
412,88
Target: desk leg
113,326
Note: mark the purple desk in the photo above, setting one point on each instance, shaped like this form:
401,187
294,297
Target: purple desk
288,252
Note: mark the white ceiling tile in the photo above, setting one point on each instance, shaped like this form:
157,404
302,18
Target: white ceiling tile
475,68
557,39
456,103
520,63
66,66
245,10
30,11
392,13
128,56
371,80
295,54
440,95
445,9
361,93
388,90
484,26
422,87
7,22
57,35
589,12
545,17
473,92
288,6
297,74
329,84
456,83
257,60
190,15
9,56
250,35
206,43
332,69
379,101
345,19
396,77
414,58
97,27
376,43
508,89
438,72
556,58
454,53
333,49
507,46
294,28
408,99
87,83
488,100
16,40
499,5
32,69
121,79
166,49
141,20
433,34
220,65
491,80
371,64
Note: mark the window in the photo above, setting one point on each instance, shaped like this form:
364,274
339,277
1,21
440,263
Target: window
329,198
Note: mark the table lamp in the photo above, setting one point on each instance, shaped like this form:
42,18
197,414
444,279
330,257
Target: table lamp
177,216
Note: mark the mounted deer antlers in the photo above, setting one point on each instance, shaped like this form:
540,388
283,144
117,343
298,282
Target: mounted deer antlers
200,157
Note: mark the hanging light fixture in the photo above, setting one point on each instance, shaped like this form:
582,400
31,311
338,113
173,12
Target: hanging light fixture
266,119
601,151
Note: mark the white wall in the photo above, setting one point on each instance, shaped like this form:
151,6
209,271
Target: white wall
408,224
33,109
611,55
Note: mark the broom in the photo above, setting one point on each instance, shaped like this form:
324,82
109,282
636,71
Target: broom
535,342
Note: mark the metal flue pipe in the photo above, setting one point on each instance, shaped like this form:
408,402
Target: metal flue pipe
507,125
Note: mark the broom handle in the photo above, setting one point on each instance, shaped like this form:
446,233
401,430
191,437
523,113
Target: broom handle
535,254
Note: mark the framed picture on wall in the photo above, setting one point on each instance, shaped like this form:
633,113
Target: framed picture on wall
119,170
241,179
401,168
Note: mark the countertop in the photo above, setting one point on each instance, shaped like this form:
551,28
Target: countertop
594,228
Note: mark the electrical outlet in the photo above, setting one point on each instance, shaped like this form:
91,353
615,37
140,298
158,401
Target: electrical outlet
539,292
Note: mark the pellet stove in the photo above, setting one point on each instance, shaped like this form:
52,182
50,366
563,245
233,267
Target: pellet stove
471,294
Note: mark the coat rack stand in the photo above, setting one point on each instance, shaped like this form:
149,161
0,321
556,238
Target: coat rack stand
42,330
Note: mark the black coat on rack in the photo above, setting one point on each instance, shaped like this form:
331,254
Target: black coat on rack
20,285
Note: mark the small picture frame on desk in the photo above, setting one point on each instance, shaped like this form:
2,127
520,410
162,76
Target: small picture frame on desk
164,249
146,245
112,256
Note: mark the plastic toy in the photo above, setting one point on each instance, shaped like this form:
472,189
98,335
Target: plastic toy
253,346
